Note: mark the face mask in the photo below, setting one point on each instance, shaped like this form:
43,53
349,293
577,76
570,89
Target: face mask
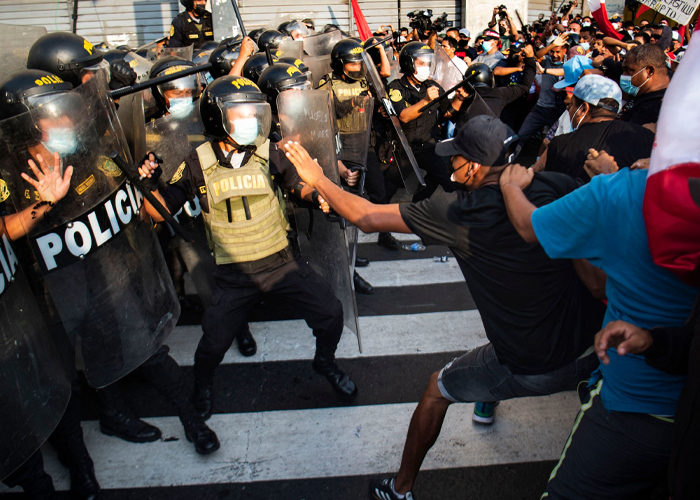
486,46
626,84
586,25
585,45
62,141
199,10
179,104
579,122
422,73
245,131
558,63
402,39
208,78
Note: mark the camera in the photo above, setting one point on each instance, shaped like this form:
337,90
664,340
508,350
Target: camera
421,20
565,8
502,11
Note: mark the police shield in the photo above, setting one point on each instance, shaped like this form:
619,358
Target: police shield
133,120
405,161
95,248
322,44
173,138
225,20
308,116
34,389
291,48
155,53
443,70
394,64
16,42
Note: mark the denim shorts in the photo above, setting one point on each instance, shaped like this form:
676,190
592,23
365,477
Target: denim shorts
478,376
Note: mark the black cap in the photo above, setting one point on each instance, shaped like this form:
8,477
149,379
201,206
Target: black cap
484,139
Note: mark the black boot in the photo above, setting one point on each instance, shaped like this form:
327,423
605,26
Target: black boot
83,483
387,240
338,378
202,399
116,419
361,262
362,285
197,432
32,478
246,343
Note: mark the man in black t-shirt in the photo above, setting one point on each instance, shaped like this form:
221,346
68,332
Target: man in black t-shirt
538,316
645,79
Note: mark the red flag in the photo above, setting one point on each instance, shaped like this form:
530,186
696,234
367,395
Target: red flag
600,14
642,9
360,22
681,34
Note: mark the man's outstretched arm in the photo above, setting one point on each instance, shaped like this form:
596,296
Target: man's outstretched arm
369,217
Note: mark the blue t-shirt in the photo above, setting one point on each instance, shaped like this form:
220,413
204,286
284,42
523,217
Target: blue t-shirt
603,222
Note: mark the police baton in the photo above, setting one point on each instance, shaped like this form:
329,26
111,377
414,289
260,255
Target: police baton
132,89
463,83
526,33
136,181
379,42
238,16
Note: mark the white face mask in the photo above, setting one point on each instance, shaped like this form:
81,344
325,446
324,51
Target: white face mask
245,131
422,73
486,46
62,141
585,45
573,128
179,104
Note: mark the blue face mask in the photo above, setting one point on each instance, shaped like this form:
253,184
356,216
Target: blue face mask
626,84
245,131
62,141
558,63
180,104
486,46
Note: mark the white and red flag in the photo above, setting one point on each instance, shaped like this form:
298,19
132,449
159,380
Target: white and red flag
600,14
672,200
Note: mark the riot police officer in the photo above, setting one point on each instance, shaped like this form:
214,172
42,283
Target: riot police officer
408,95
176,94
195,25
247,226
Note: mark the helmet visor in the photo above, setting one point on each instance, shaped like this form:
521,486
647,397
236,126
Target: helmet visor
186,87
424,60
355,70
37,101
303,85
297,30
101,68
247,123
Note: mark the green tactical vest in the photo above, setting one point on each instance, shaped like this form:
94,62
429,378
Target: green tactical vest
232,237
351,123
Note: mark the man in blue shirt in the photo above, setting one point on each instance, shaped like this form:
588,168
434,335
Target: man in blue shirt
621,440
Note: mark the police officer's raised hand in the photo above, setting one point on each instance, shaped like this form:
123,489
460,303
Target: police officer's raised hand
517,175
432,93
122,74
49,183
150,171
308,169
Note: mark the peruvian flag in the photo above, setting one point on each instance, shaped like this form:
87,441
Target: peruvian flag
600,14
671,209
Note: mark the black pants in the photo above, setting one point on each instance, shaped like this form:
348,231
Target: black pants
236,292
436,172
32,478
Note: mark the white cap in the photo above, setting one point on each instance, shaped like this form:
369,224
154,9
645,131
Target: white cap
676,35
465,32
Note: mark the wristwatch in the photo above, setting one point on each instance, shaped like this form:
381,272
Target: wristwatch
544,71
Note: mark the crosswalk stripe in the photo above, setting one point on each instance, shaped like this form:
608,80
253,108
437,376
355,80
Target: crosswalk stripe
381,336
331,442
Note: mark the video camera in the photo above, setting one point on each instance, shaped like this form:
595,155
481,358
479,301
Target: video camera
502,11
564,8
421,20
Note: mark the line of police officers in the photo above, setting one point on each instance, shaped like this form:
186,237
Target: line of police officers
92,258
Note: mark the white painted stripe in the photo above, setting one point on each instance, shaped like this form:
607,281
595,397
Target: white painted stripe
330,442
381,336
372,237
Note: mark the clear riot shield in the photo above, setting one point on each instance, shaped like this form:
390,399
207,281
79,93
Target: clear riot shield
408,167
16,42
140,65
319,66
291,48
443,70
155,53
225,21
95,248
322,44
307,116
354,127
394,63
174,137
133,120
34,389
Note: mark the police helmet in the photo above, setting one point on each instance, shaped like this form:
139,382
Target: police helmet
374,51
289,27
485,77
254,66
185,89
66,55
299,64
28,89
330,27
344,52
234,108
255,34
310,24
412,51
273,38
280,77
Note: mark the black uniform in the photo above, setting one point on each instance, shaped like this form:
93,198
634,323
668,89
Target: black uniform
186,29
239,286
422,132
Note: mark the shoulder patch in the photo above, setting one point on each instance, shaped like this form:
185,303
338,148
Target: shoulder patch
4,191
178,173
172,30
395,95
203,189
322,82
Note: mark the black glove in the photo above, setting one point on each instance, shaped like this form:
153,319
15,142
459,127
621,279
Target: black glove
151,183
122,74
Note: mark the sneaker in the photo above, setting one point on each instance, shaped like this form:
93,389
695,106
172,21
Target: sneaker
383,489
483,413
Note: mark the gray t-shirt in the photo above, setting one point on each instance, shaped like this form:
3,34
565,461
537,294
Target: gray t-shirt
547,96
492,60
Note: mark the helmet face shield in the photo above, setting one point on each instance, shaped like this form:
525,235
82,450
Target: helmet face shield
424,60
101,68
246,123
297,30
355,70
37,101
180,92
304,85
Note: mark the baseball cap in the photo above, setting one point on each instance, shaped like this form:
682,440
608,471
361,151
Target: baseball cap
483,139
593,88
616,19
573,69
488,34
465,32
